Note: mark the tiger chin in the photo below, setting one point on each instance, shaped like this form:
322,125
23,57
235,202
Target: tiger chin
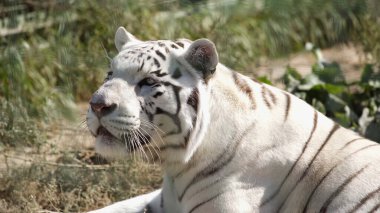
227,143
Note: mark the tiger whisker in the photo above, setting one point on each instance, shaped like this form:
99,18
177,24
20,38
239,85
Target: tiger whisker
123,136
154,147
152,138
139,145
146,139
155,128
136,156
150,124
131,142
155,143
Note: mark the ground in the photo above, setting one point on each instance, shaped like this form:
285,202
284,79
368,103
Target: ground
66,175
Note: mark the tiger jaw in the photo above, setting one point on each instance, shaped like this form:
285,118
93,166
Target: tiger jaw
115,133
130,139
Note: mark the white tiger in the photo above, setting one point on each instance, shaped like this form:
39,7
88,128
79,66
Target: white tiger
226,143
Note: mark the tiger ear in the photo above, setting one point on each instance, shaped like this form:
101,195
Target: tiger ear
203,57
122,37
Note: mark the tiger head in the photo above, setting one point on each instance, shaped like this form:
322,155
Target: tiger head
154,98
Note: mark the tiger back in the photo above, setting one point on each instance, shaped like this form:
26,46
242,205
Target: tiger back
226,143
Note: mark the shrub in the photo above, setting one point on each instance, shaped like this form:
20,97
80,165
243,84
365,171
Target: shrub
355,105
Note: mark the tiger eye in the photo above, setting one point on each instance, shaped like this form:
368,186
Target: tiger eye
150,81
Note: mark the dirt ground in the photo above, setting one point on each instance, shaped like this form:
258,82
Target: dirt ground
66,175
67,136
350,58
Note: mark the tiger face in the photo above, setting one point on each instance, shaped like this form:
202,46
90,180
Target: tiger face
151,99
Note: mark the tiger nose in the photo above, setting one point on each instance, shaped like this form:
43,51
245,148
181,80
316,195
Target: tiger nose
100,107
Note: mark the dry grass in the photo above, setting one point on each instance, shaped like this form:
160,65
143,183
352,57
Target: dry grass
40,187
66,175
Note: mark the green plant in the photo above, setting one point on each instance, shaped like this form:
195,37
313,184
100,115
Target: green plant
65,61
355,105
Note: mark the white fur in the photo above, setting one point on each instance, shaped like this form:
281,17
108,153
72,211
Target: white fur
265,145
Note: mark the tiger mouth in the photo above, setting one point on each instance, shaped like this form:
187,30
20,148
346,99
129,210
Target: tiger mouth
106,136
102,131
132,141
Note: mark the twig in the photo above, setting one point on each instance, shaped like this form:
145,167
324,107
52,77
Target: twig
84,166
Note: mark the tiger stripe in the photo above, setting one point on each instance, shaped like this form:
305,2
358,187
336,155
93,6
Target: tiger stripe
219,162
330,171
375,208
174,46
272,96
162,56
155,61
193,99
276,192
288,103
327,203
243,86
352,141
180,44
158,94
263,94
365,199
158,73
269,101
204,202
244,187
141,67
332,131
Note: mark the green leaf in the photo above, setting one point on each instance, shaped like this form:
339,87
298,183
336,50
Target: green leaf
335,89
330,73
367,73
319,106
373,130
311,82
265,80
342,119
335,104
294,73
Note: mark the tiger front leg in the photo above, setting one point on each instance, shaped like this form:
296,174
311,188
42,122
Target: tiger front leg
149,203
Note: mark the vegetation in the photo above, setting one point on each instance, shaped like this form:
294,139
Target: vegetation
45,70
61,55
354,105
72,188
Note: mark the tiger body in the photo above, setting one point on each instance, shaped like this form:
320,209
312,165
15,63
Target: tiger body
228,143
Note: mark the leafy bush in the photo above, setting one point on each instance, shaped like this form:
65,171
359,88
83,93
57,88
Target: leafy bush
355,105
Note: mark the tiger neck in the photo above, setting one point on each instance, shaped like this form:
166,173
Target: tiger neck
226,109
251,129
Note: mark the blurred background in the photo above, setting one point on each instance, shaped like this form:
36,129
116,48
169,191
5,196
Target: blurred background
55,53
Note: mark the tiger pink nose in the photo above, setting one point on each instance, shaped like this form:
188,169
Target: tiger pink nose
100,108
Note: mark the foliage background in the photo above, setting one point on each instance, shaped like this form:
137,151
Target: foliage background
55,53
